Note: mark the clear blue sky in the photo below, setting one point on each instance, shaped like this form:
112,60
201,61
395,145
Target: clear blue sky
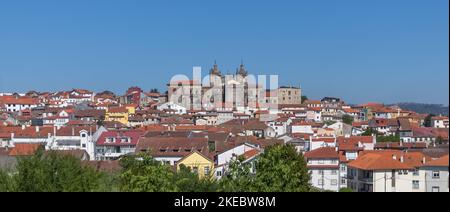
360,50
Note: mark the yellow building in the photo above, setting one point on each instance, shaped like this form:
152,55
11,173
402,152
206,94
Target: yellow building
119,114
198,163
131,109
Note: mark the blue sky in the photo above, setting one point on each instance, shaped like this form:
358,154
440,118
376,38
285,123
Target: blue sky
385,50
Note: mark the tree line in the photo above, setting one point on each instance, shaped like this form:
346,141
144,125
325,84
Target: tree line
279,169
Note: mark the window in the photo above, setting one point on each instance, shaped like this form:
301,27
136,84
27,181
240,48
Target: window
415,184
206,169
83,135
343,168
219,173
321,161
320,182
195,170
334,172
84,145
416,172
436,175
343,181
334,161
320,172
435,189
333,182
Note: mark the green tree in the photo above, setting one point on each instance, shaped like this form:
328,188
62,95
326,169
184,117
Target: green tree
428,120
7,183
388,138
238,177
369,132
53,172
347,119
143,174
281,169
187,181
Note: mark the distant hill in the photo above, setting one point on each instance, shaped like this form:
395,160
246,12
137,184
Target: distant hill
436,109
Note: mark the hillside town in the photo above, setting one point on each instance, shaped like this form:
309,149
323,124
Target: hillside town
367,147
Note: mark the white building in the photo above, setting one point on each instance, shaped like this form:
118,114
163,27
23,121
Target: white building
172,106
387,171
323,166
439,122
436,175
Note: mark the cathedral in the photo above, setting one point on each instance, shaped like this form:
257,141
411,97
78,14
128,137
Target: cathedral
221,91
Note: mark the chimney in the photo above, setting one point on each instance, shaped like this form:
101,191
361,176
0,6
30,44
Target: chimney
73,131
37,128
23,127
374,139
401,159
12,136
394,157
424,160
336,149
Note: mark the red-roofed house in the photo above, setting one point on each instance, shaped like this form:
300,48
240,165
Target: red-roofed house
387,171
323,166
436,175
114,144
439,122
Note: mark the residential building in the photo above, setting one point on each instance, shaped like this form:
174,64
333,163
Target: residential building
436,175
323,166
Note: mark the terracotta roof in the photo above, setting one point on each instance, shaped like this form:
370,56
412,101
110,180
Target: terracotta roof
439,118
172,147
24,149
252,153
133,135
19,100
324,152
443,161
388,159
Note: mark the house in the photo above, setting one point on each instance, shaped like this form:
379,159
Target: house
247,151
314,114
117,114
90,115
74,138
302,127
197,163
323,166
16,104
318,142
113,144
387,171
439,122
436,175
170,150
178,109
280,125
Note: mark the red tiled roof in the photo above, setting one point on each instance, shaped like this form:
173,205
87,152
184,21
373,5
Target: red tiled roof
388,159
24,149
443,161
324,152
134,135
251,153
